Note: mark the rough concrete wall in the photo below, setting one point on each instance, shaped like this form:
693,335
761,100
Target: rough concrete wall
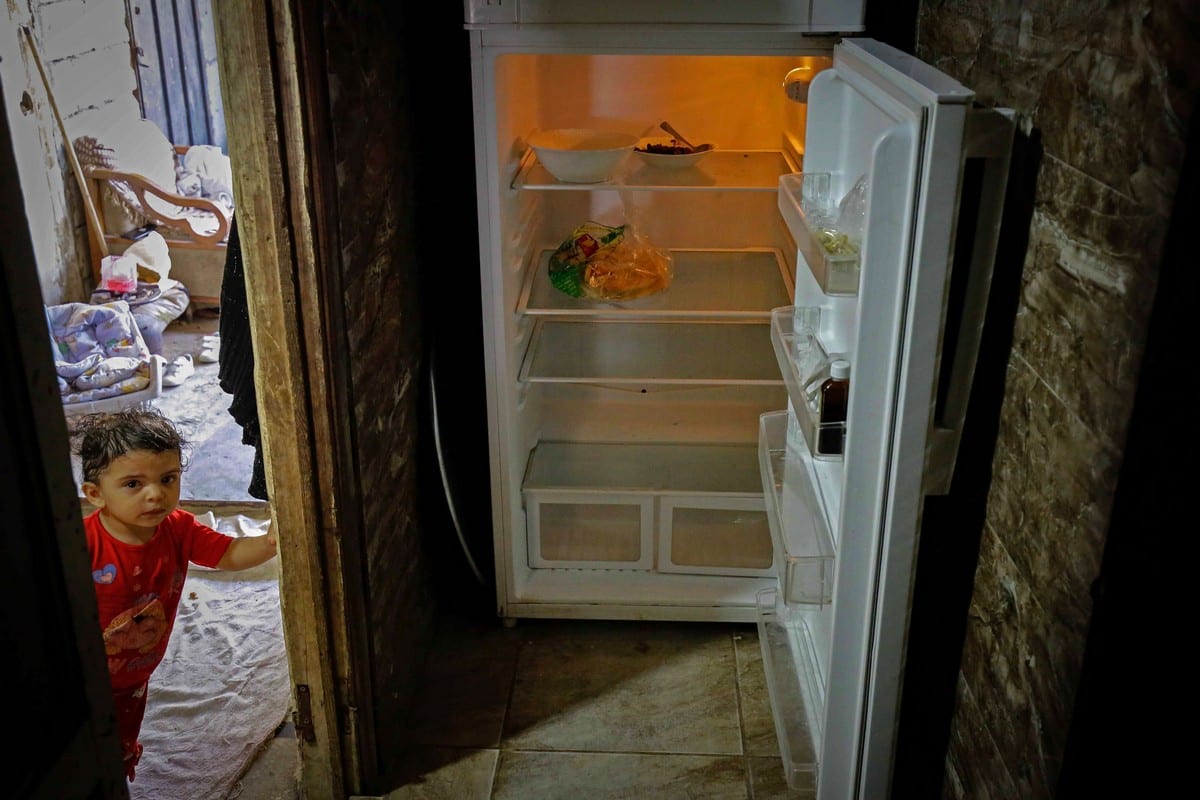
1108,86
373,129
84,46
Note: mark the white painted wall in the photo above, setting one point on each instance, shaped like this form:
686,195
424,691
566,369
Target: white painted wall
85,48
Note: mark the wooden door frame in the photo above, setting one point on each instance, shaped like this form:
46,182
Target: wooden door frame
277,179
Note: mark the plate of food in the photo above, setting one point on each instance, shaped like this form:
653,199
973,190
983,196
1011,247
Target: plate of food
669,152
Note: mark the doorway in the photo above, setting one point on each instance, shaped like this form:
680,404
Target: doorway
193,708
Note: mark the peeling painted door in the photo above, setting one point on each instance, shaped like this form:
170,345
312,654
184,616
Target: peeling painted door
178,80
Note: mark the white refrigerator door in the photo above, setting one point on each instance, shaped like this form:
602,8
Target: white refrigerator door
885,115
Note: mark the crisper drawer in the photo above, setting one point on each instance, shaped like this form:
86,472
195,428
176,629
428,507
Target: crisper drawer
725,535
594,530
680,508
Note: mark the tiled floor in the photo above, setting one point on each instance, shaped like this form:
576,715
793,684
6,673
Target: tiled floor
545,709
591,709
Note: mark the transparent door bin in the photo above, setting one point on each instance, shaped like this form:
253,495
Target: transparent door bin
804,363
799,521
795,688
811,216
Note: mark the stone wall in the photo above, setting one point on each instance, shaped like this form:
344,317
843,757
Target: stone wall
1108,87
84,46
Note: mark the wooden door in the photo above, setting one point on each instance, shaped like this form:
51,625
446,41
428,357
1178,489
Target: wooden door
65,744
175,46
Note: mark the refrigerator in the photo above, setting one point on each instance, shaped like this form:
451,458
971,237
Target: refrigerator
668,457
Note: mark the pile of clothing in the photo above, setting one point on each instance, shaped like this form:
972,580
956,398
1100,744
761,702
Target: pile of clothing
204,171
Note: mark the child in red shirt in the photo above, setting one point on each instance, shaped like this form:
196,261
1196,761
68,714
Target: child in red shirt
141,544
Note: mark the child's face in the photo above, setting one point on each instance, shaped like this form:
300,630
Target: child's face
137,491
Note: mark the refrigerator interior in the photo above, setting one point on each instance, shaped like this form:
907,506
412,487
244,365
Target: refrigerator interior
625,435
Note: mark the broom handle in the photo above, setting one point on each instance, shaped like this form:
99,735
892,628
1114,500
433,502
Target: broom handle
95,231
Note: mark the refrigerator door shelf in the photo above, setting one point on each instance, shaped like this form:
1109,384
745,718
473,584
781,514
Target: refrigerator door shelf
799,520
795,688
807,206
707,284
645,353
726,170
804,363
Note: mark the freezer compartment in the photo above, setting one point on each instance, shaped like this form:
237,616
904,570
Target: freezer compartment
799,520
794,686
804,15
675,508
810,213
650,353
745,170
804,362
707,284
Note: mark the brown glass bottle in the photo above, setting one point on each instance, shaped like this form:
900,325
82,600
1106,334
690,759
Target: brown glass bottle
834,398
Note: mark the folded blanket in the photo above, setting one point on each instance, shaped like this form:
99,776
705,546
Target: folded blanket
98,350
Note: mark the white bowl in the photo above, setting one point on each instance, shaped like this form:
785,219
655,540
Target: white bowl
669,160
581,155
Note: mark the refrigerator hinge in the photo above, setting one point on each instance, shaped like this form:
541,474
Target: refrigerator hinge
302,716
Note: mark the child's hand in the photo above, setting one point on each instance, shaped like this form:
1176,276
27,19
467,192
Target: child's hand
248,551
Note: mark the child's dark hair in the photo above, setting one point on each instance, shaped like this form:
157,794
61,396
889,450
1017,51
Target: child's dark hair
103,438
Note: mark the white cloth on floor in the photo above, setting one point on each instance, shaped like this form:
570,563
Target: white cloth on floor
223,687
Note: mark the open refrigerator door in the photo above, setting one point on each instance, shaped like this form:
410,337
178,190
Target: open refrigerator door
892,145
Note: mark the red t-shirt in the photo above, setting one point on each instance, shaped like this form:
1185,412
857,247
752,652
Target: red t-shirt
138,588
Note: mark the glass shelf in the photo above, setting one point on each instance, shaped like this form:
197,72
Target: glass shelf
804,363
799,521
712,284
650,353
727,170
803,200
794,684
630,467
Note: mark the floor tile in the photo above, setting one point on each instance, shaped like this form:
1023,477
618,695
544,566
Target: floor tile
625,687
465,685
438,773
523,775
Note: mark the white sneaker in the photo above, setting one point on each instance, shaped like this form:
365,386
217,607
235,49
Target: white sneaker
179,370
210,350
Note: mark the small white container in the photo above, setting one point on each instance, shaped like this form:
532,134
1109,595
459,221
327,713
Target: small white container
670,160
581,155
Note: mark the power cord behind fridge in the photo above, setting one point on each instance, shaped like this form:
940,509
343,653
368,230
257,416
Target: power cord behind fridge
437,442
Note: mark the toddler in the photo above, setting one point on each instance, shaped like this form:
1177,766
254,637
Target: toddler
140,544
